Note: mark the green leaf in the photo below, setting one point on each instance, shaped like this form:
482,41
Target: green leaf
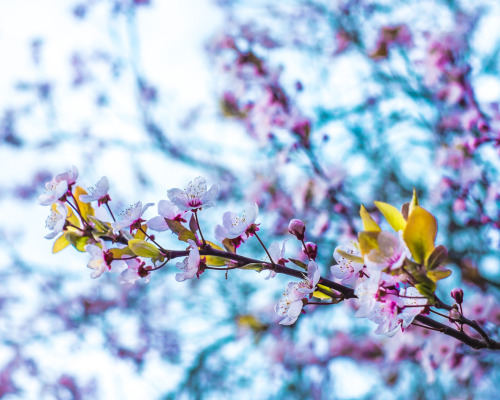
367,241
119,253
143,249
420,233
321,295
229,246
182,232
77,241
254,266
351,257
299,263
438,256
413,202
60,243
427,289
85,208
101,226
368,222
438,274
392,215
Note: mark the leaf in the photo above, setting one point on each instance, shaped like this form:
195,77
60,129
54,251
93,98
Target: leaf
139,234
427,290
72,217
405,210
182,232
229,246
254,266
186,234
413,202
392,215
321,295
438,256
143,249
367,241
119,253
368,222
85,208
76,240
420,233
299,263
216,261
60,243
438,274
351,257
100,225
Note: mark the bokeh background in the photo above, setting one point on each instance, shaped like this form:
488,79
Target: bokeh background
307,108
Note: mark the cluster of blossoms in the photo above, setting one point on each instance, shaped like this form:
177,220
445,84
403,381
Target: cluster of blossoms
394,274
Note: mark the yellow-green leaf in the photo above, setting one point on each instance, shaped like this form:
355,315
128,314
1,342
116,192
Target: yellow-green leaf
321,295
119,253
438,274
413,202
143,249
427,290
186,234
438,257
367,241
85,208
76,240
368,222
101,226
139,234
351,257
420,233
214,260
299,263
229,246
60,243
392,215
254,266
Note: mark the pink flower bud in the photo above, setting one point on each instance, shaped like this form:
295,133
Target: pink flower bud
458,295
297,228
454,314
311,250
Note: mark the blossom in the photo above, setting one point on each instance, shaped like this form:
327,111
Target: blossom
346,268
195,196
290,306
135,270
413,298
391,253
278,256
131,217
56,220
100,193
234,226
167,210
57,187
101,260
190,265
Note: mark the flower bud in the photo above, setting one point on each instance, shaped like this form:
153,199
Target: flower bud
454,314
297,228
458,295
311,250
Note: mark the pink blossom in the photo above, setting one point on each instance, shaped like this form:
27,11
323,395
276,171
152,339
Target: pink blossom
195,196
167,210
100,193
347,269
57,187
190,265
131,217
290,306
234,225
102,260
56,220
135,271
391,253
